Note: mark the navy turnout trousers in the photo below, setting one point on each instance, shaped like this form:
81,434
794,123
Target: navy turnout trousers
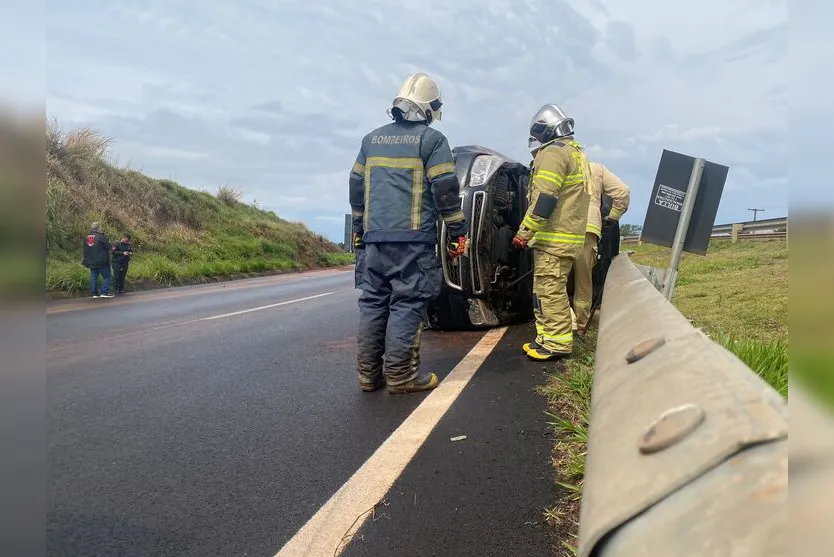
397,280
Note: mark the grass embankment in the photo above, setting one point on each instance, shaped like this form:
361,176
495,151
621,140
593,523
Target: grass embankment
180,236
737,294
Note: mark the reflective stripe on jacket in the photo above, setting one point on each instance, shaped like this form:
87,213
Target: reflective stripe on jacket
560,168
403,179
603,181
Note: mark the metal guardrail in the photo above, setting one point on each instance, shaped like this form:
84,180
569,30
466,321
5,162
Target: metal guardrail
761,224
751,230
688,448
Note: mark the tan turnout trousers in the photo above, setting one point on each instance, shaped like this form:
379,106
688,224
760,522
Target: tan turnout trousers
583,273
554,329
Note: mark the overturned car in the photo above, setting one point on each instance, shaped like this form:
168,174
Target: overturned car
492,285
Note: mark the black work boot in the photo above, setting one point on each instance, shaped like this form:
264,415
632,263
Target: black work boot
375,384
423,382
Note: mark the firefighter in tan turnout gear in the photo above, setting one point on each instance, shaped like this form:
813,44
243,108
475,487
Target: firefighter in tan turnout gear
602,182
554,227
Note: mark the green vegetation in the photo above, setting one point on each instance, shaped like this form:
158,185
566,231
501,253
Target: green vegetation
739,289
568,393
737,294
767,358
180,236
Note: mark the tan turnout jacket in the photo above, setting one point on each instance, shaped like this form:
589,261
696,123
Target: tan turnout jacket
605,181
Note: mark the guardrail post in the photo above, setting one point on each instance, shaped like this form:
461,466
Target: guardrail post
687,447
736,230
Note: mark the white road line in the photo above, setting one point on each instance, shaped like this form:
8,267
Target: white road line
62,345
241,312
329,530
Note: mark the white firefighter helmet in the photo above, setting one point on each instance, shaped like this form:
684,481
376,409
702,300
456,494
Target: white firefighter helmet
550,122
418,100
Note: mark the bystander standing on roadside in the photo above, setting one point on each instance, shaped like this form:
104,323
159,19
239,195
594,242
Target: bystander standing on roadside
97,258
122,251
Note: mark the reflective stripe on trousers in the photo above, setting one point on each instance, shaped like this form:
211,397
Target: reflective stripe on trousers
553,319
398,281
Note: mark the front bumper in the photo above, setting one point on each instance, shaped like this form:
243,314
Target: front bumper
467,275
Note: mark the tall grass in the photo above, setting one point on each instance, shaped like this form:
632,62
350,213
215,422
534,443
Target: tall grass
180,235
769,359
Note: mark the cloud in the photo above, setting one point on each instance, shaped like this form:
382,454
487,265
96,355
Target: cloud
275,97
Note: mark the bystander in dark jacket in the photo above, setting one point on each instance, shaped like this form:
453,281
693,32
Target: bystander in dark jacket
97,258
122,251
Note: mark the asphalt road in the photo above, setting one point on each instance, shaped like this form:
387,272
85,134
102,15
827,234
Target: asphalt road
216,420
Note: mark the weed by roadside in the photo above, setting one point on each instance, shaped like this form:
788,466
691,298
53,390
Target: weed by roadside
568,393
739,289
769,359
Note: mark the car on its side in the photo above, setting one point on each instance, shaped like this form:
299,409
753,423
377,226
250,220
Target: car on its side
492,284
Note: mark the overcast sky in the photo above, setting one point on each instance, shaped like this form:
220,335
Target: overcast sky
275,96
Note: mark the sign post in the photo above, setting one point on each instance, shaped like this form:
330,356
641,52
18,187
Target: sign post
348,233
688,205
681,213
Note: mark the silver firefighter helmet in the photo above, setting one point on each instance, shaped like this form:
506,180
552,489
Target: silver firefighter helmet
418,100
550,122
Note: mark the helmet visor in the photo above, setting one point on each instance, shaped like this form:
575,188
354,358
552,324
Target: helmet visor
538,130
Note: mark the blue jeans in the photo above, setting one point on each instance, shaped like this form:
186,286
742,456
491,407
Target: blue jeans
105,279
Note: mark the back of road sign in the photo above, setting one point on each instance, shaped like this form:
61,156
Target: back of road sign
666,202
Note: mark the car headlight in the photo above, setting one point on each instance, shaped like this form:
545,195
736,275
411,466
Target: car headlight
482,169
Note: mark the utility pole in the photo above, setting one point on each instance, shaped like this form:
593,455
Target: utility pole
756,212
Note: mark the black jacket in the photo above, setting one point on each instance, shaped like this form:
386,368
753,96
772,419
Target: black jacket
96,250
120,257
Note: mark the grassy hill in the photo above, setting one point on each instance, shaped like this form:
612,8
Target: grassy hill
180,236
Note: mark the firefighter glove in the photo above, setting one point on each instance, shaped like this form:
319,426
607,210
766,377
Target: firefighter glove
519,242
357,241
456,247
523,236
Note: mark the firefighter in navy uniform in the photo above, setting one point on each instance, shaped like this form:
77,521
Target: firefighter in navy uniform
554,227
403,178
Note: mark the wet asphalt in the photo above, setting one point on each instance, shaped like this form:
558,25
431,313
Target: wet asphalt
197,421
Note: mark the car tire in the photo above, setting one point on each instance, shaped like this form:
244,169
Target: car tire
500,192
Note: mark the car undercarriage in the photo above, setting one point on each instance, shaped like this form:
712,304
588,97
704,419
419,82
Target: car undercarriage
492,284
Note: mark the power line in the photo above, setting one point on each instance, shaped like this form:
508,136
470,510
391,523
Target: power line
755,213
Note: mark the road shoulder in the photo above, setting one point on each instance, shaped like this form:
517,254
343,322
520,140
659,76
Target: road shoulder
482,495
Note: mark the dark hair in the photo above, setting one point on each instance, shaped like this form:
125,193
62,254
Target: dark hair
128,236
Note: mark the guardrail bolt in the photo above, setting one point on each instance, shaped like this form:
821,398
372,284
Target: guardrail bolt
672,426
643,349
